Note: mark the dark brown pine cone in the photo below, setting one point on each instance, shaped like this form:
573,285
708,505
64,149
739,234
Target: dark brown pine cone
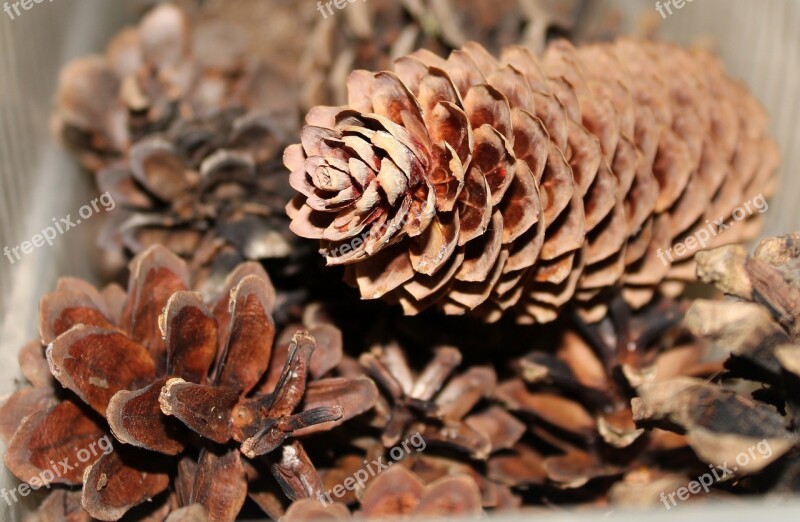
370,35
521,185
748,418
209,190
161,71
576,400
179,386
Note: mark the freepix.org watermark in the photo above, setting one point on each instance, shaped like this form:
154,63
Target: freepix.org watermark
328,6
57,470
376,232
718,473
667,6
12,9
373,468
700,238
59,227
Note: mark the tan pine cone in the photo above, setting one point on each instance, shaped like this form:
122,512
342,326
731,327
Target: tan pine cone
398,493
482,186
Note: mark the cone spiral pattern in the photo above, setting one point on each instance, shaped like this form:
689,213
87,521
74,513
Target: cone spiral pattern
522,184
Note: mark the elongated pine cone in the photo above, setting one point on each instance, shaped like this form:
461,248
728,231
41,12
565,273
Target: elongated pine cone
484,186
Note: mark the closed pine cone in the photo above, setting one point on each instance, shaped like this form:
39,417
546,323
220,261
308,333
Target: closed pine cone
519,185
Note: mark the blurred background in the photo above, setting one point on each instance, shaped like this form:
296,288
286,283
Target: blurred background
758,41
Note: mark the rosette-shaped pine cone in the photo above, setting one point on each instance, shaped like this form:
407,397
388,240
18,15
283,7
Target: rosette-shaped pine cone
445,409
208,189
748,418
399,494
368,458
370,35
520,185
575,400
156,73
185,390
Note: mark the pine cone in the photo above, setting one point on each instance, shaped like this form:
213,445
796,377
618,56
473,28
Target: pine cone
397,492
577,399
438,404
748,417
482,186
372,34
156,73
178,391
208,189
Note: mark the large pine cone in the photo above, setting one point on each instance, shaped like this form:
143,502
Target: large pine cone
482,186
181,391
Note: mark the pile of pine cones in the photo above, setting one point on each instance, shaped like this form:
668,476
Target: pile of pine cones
481,175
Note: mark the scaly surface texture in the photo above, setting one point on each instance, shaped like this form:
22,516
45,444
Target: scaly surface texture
521,184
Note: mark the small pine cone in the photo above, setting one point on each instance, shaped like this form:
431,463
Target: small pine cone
483,186
208,189
398,493
185,390
577,398
154,74
426,461
445,409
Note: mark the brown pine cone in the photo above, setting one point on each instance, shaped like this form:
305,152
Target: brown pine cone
183,393
576,399
481,186
208,189
370,35
159,72
747,418
399,493
442,407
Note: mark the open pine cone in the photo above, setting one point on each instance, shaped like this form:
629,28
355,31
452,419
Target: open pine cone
370,35
748,418
208,189
184,389
576,400
398,493
159,72
519,185
439,405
